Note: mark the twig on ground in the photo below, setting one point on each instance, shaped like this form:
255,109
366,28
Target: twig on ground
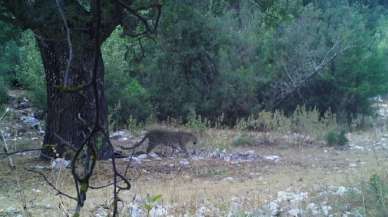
59,192
5,149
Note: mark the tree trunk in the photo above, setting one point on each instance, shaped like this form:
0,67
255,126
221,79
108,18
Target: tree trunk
70,111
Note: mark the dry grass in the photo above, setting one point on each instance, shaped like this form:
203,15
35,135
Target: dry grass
301,168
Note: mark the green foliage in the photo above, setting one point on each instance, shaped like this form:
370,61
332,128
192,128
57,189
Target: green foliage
151,202
335,138
244,139
30,72
373,200
3,92
126,96
197,123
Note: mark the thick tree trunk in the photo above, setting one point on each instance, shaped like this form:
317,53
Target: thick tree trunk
71,114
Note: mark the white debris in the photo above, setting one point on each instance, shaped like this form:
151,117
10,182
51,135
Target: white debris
40,167
352,165
60,163
274,158
229,179
184,162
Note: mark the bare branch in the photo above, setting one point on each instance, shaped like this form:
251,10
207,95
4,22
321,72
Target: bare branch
5,148
68,37
135,12
59,192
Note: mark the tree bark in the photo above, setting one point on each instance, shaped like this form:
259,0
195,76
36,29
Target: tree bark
71,110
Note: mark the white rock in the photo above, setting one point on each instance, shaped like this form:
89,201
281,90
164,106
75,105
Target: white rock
154,155
123,139
202,211
292,197
158,211
352,165
135,210
274,158
313,208
119,134
294,212
60,163
184,162
101,212
326,209
30,121
341,191
229,179
274,207
36,190
142,156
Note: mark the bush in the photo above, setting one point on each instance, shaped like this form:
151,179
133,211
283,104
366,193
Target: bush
370,200
335,138
3,92
126,97
244,140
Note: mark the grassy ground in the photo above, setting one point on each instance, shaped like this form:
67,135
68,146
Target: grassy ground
302,168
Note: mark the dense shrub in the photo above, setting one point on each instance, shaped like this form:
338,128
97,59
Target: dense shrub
126,97
3,92
335,138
